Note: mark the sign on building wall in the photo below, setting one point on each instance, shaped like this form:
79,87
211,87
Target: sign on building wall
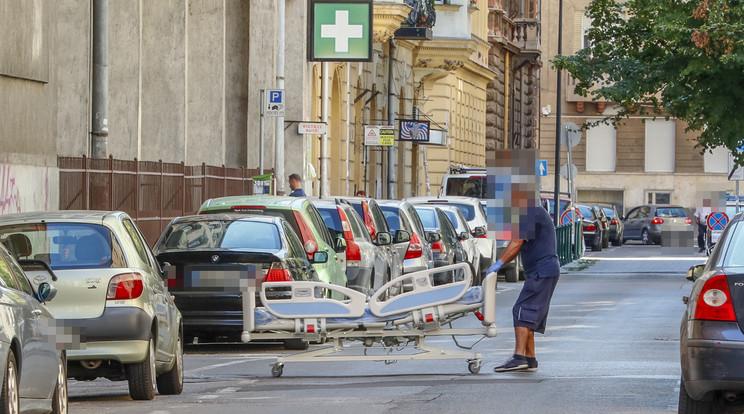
340,30
376,135
414,130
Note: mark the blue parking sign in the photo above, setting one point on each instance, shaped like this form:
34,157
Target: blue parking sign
275,96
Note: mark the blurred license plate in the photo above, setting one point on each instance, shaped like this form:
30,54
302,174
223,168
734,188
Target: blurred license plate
228,278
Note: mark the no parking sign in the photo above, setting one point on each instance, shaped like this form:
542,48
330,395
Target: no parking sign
569,216
717,221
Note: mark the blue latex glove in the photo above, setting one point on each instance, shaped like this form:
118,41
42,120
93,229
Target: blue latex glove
495,267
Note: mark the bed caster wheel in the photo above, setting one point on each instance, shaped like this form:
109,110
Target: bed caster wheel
474,366
277,370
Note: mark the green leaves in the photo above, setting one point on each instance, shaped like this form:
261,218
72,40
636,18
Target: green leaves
685,56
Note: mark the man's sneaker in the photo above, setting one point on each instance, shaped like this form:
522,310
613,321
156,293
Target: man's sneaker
531,364
515,363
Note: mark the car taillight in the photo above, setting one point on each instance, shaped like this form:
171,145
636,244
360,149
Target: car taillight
714,302
369,222
591,227
436,247
657,220
688,220
415,248
353,255
125,286
278,273
345,226
614,222
308,240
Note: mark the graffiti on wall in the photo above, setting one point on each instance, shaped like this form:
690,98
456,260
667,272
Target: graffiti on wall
22,188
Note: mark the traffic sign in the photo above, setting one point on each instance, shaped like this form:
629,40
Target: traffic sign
717,221
570,134
312,128
541,168
569,216
565,172
340,30
274,104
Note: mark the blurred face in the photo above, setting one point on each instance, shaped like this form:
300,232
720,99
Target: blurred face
512,194
294,184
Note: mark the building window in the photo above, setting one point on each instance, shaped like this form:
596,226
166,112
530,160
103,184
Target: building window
660,146
716,161
601,148
658,197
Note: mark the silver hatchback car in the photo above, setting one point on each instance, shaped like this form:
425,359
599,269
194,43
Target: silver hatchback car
111,297
417,254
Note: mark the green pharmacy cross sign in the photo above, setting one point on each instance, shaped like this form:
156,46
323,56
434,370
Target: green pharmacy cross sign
340,30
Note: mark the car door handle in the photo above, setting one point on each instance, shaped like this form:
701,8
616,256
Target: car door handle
36,313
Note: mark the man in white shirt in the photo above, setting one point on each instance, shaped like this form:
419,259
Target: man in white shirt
701,217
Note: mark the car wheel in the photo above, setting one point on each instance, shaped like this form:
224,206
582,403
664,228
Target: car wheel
689,406
620,240
644,237
597,244
511,274
171,382
9,402
59,400
142,376
606,242
295,344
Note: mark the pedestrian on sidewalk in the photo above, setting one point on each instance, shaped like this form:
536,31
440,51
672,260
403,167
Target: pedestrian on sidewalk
701,217
537,243
295,184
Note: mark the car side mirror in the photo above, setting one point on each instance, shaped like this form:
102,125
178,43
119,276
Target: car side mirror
433,237
45,292
402,236
340,246
384,238
479,231
695,272
321,257
463,236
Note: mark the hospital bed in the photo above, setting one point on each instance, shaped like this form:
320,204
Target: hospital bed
390,325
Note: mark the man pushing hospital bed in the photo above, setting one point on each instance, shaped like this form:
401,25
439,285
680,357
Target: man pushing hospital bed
396,318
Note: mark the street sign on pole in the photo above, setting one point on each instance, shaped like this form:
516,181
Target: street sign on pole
541,168
717,221
570,134
738,174
565,172
274,102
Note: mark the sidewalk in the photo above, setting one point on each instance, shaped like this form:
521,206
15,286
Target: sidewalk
635,259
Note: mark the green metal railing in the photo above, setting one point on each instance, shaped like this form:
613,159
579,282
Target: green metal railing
570,239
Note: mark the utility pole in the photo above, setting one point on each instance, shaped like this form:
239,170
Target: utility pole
279,122
558,99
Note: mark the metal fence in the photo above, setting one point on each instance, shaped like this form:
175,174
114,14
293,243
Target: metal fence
153,193
570,240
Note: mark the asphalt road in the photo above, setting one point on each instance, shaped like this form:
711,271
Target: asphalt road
612,346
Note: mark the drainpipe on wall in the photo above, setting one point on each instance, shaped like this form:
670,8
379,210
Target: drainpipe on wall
391,119
100,98
348,122
279,121
507,72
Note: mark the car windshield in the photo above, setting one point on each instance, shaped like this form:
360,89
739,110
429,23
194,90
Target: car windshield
586,212
64,245
452,216
221,234
610,213
428,218
467,210
551,203
670,212
468,186
391,216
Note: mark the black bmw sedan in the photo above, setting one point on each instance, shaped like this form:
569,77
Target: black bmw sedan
210,260
712,329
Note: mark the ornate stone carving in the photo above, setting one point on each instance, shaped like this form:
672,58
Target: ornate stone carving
452,65
382,36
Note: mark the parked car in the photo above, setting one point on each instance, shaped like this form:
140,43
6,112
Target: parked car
547,200
304,219
402,216
448,250
34,368
489,249
604,221
712,328
374,221
111,293
467,182
367,266
207,256
464,235
616,223
645,222
592,228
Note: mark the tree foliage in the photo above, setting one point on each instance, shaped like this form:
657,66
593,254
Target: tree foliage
671,58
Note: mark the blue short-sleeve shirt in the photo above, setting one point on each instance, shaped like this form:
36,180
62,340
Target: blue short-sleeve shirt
540,250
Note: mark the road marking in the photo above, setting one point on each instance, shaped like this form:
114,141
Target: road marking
225,364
